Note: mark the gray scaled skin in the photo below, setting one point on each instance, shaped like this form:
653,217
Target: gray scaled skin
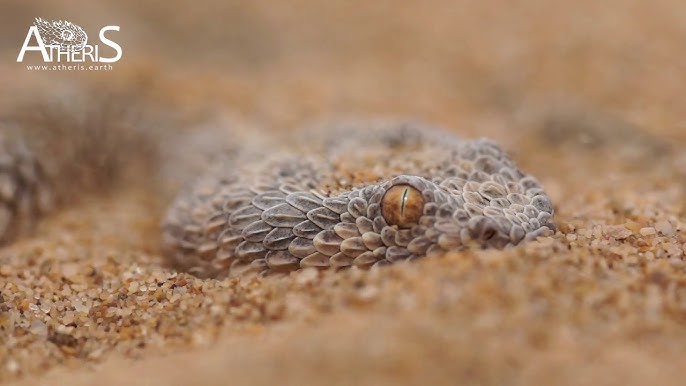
276,217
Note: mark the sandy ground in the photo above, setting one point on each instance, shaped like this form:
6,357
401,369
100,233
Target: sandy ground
587,96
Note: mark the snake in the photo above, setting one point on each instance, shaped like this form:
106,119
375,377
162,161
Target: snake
352,195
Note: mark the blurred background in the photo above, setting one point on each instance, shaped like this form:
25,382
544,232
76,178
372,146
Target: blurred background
465,64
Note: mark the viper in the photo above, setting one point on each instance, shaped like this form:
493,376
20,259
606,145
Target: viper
337,196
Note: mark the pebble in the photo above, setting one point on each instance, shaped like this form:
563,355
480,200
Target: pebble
38,328
133,287
647,231
5,270
617,232
665,228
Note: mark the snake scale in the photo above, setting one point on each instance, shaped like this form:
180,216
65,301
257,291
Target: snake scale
356,195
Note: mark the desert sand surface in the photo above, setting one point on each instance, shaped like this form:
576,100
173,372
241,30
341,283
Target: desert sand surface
587,96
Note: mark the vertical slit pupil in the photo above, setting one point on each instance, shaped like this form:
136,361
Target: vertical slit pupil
403,201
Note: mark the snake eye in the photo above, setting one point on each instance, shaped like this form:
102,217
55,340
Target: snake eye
402,205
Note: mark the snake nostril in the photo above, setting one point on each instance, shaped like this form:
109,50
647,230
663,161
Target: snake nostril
402,205
489,233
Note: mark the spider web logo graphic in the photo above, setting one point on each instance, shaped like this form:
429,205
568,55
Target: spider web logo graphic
68,36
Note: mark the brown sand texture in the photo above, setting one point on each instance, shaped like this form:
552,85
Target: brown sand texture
587,96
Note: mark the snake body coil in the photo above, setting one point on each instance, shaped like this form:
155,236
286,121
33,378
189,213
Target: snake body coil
24,192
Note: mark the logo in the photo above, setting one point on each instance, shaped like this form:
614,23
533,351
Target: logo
64,34
64,46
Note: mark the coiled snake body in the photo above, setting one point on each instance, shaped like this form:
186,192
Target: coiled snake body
351,196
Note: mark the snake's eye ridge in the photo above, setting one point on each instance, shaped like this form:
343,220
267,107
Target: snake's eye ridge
402,205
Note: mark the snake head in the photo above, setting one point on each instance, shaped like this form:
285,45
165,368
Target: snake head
473,197
415,217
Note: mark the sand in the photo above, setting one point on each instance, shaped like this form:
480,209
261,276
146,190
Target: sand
585,96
